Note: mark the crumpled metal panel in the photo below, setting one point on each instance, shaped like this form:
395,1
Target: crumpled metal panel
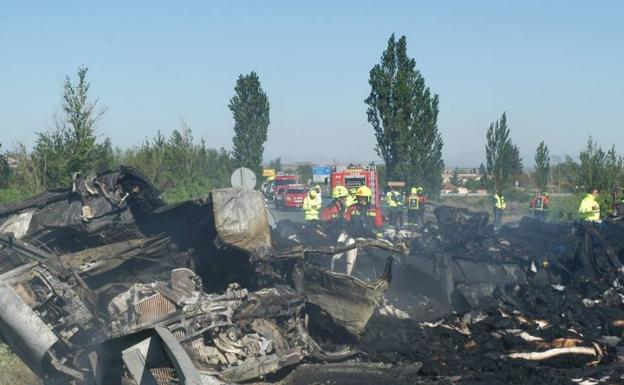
17,224
349,301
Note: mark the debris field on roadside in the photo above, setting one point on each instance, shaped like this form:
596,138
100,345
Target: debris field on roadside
104,283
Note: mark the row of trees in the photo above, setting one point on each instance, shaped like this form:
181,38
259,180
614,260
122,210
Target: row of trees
181,166
403,112
595,167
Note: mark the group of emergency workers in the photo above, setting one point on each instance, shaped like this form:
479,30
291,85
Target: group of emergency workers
349,215
353,210
415,203
589,208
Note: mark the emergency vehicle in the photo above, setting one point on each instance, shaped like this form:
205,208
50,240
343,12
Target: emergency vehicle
281,180
354,177
291,196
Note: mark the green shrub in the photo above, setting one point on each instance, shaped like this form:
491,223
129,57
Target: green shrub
564,208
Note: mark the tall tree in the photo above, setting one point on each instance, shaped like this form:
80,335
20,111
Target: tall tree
276,164
250,108
482,171
71,146
502,157
305,173
455,178
596,168
542,166
404,113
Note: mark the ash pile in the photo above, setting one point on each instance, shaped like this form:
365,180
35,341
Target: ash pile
538,303
103,283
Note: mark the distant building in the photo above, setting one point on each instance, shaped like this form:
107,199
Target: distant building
447,188
464,175
12,160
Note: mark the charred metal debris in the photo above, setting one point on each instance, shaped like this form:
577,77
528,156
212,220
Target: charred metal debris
103,283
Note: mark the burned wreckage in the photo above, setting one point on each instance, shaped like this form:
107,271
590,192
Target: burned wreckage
103,283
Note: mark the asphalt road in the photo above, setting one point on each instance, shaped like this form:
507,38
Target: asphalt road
293,215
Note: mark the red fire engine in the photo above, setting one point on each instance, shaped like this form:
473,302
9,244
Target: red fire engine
354,177
281,180
290,196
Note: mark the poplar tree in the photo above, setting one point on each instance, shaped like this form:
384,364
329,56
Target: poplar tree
403,112
542,166
250,109
502,157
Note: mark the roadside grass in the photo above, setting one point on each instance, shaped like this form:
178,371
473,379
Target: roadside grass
565,208
562,207
475,203
13,371
12,194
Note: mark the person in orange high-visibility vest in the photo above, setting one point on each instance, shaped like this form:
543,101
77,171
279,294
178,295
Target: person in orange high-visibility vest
539,205
336,209
364,219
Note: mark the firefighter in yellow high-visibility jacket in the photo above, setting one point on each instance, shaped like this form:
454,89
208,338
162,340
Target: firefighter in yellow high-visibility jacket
590,208
499,208
311,206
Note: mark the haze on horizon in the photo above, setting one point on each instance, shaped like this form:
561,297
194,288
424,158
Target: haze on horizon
555,67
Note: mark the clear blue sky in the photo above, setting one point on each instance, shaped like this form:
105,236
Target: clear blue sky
556,67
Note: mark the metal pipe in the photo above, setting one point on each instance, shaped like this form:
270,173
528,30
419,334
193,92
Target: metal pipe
22,329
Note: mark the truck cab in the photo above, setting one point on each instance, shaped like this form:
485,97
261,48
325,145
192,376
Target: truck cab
280,181
354,177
